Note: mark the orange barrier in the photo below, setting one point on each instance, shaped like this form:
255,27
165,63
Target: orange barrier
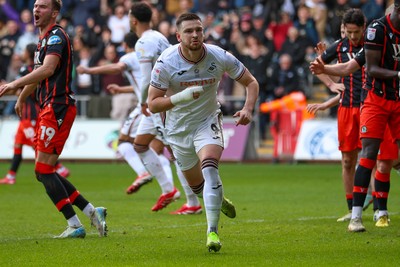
287,115
292,101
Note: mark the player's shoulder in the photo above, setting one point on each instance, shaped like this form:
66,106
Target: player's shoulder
56,36
129,56
378,23
170,52
151,36
214,49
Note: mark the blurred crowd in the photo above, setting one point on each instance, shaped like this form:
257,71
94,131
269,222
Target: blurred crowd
274,39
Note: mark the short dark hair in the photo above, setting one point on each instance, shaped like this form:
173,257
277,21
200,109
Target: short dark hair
141,11
57,5
185,17
31,48
354,16
130,39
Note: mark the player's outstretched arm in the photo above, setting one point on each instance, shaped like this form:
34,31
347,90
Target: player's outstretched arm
158,103
46,70
315,107
116,89
114,68
245,116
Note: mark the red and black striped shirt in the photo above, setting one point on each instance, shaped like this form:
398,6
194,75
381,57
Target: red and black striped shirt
30,109
343,51
55,89
382,36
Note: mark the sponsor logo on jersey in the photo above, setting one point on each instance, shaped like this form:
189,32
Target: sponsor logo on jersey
54,40
199,82
156,74
157,85
396,50
371,34
36,60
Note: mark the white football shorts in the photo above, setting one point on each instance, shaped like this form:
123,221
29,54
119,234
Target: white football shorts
186,145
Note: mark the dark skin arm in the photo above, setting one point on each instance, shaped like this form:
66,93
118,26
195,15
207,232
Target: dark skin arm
373,58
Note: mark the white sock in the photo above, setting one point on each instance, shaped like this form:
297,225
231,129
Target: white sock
74,221
88,210
212,196
382,213
166,164
10,176
152,163
191,198
131,157
356,212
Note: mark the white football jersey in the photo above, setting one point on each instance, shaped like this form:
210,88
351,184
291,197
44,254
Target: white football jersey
133,72
175,73
150,46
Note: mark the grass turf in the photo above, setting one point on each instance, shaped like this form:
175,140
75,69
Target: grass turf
286,216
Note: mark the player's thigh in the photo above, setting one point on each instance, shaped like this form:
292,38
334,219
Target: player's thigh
53,128
131,124
184,151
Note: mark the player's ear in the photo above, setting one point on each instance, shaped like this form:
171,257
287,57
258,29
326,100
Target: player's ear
178,37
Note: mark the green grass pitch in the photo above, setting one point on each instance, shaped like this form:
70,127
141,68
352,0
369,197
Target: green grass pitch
286,216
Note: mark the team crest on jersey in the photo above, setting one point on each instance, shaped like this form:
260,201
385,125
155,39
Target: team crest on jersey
364,129
54,40
140,53
212,67
371,34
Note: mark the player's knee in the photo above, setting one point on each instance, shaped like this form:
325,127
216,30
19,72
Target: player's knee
348,164
209,162
42,169
140,148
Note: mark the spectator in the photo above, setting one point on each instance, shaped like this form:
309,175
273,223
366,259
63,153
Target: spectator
246,24
80,10
257,58
335,15
279,29
320,14
121,105
306,25
284,79
218,35
296,46
7,46
373,9
168,31
26,18
29,36
20,5
118,23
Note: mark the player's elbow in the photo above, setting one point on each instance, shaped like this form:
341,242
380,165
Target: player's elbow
47,71
153,107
